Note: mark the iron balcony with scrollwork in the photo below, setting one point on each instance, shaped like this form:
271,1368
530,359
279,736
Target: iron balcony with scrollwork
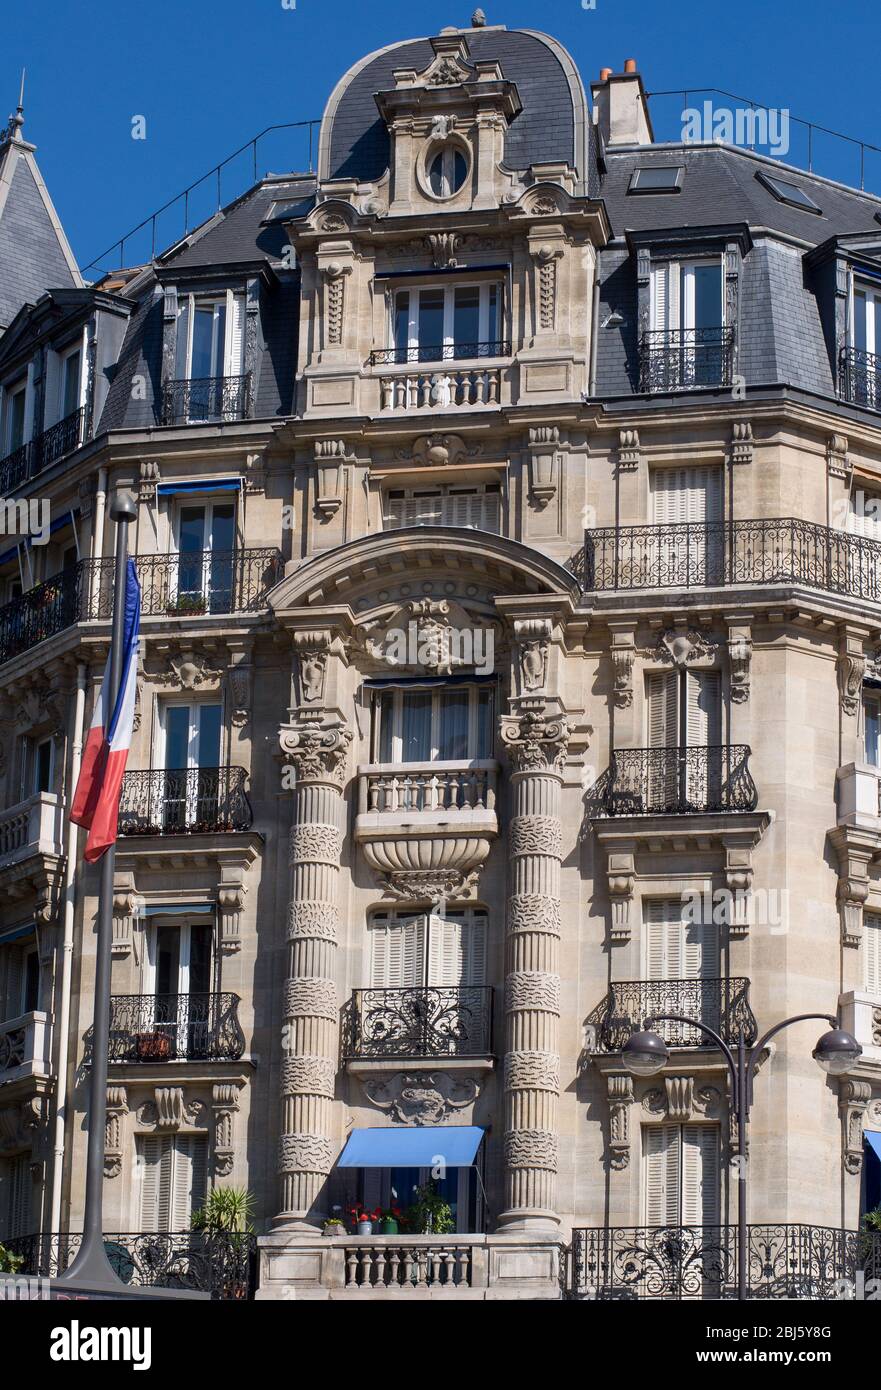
221,1263
446,352
426,1021
42,451
784,1262
722,1005
154,1028
682,359
184,801
206,400
707,554
859,377
195,584
678,781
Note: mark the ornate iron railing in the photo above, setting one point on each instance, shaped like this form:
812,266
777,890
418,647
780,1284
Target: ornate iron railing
681,359
176,586
859,377
153,1028
206,400
428,1021
700,1262
42,451
691,555
223,1265
722,1005
184,801
447,352
679,781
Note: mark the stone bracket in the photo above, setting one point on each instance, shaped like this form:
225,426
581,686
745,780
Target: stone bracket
853,1098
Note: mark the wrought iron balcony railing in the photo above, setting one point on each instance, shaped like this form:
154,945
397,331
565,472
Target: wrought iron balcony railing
722,1005
184,801
206,400
152,1028
42,451
701,554
859,377
700,1262
678,781
174,586
426,1021
447,352
682,359
223,1264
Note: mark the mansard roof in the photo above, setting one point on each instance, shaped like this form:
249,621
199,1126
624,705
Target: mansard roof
34,251
553,126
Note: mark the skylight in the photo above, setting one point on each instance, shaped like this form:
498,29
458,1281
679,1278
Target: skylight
790,193
657,178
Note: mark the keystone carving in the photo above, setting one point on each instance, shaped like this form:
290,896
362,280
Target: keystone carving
421,1099
740,650
742,442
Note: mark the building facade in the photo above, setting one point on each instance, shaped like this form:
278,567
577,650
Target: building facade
508,533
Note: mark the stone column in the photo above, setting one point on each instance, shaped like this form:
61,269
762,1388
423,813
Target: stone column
536,736
317,752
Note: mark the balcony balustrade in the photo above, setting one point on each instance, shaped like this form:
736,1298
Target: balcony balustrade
722,1005
685,358
223,1264
32,827
184,801
861,1016
24,1047
42,451
428,787
440,388
414,1264
152,1028
206,400
421,1021
700,1262
704,554
678,781
173,586
859,377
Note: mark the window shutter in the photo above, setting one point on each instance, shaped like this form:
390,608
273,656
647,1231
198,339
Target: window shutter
398,953
664,939
872,952
235,351
190,1179
154,1161
686,494
700,1175
21,1197
703,713
661,1157
665,297
474,952
182,362
14,980
445,951
663,729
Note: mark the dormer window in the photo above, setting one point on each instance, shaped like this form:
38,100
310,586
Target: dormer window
447,323
15,422
210,382
447,171
861,357
689,344
71,377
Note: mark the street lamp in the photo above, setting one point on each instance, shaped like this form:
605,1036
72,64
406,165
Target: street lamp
645,1053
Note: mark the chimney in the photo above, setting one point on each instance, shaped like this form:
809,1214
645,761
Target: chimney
621,113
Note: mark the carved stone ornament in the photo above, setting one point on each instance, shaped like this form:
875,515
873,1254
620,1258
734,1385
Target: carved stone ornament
629,452
536,740
440,450
623,654
318,752
546,257
620,1100
437,635
148,478
681,647
443,247
434,886
851,672
188,670
240,689
837,462
621,875
679,1101
853,1100
740,650
225,1107
544,442
117,1109
532,638
742,442
422,1098
313,648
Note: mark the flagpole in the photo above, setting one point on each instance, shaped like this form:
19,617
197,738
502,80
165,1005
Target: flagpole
91,1265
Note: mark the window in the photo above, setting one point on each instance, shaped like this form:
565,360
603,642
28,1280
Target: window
408,951
685,494
865,325
19,979
686,296
682,1175
38,766
16,1197
684,709
70,384
477,507
190,735
872,953
206,539
676,948
447,323
189,753
657,178
179,957
210,336
872,720
15,422
447,171
786,192
173,1179
418,725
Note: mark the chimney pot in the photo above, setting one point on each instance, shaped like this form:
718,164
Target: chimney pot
630,65
605,74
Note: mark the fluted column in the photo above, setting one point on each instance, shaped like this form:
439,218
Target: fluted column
536,741
317,753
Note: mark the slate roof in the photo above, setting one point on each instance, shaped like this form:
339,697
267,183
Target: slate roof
544,131
32,248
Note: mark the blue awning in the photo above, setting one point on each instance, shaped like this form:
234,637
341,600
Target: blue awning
425,1147
873,1139
205,485
15,933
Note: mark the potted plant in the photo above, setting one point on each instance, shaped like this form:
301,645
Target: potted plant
389,1221
187,603
430,1213
9,1263
225,1221
333,1227
362,1219
152,1047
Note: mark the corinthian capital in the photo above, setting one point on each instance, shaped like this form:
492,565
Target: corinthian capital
536,738
317,752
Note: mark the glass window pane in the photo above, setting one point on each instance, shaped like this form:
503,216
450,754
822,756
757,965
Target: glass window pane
71,401
708,296
167,960
385,714
200,958
431,325
454,726
416,727
16,421
492,326
208,743
192,530
484,747
177,736
436,176
44,767
203,341
460,169
223,529
872,731
466,320
859,320
402,320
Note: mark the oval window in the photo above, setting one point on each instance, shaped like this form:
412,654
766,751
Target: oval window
447,172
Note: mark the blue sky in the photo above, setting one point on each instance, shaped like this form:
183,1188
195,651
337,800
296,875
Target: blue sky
207,75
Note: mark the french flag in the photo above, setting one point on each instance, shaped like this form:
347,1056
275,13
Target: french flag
96,799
